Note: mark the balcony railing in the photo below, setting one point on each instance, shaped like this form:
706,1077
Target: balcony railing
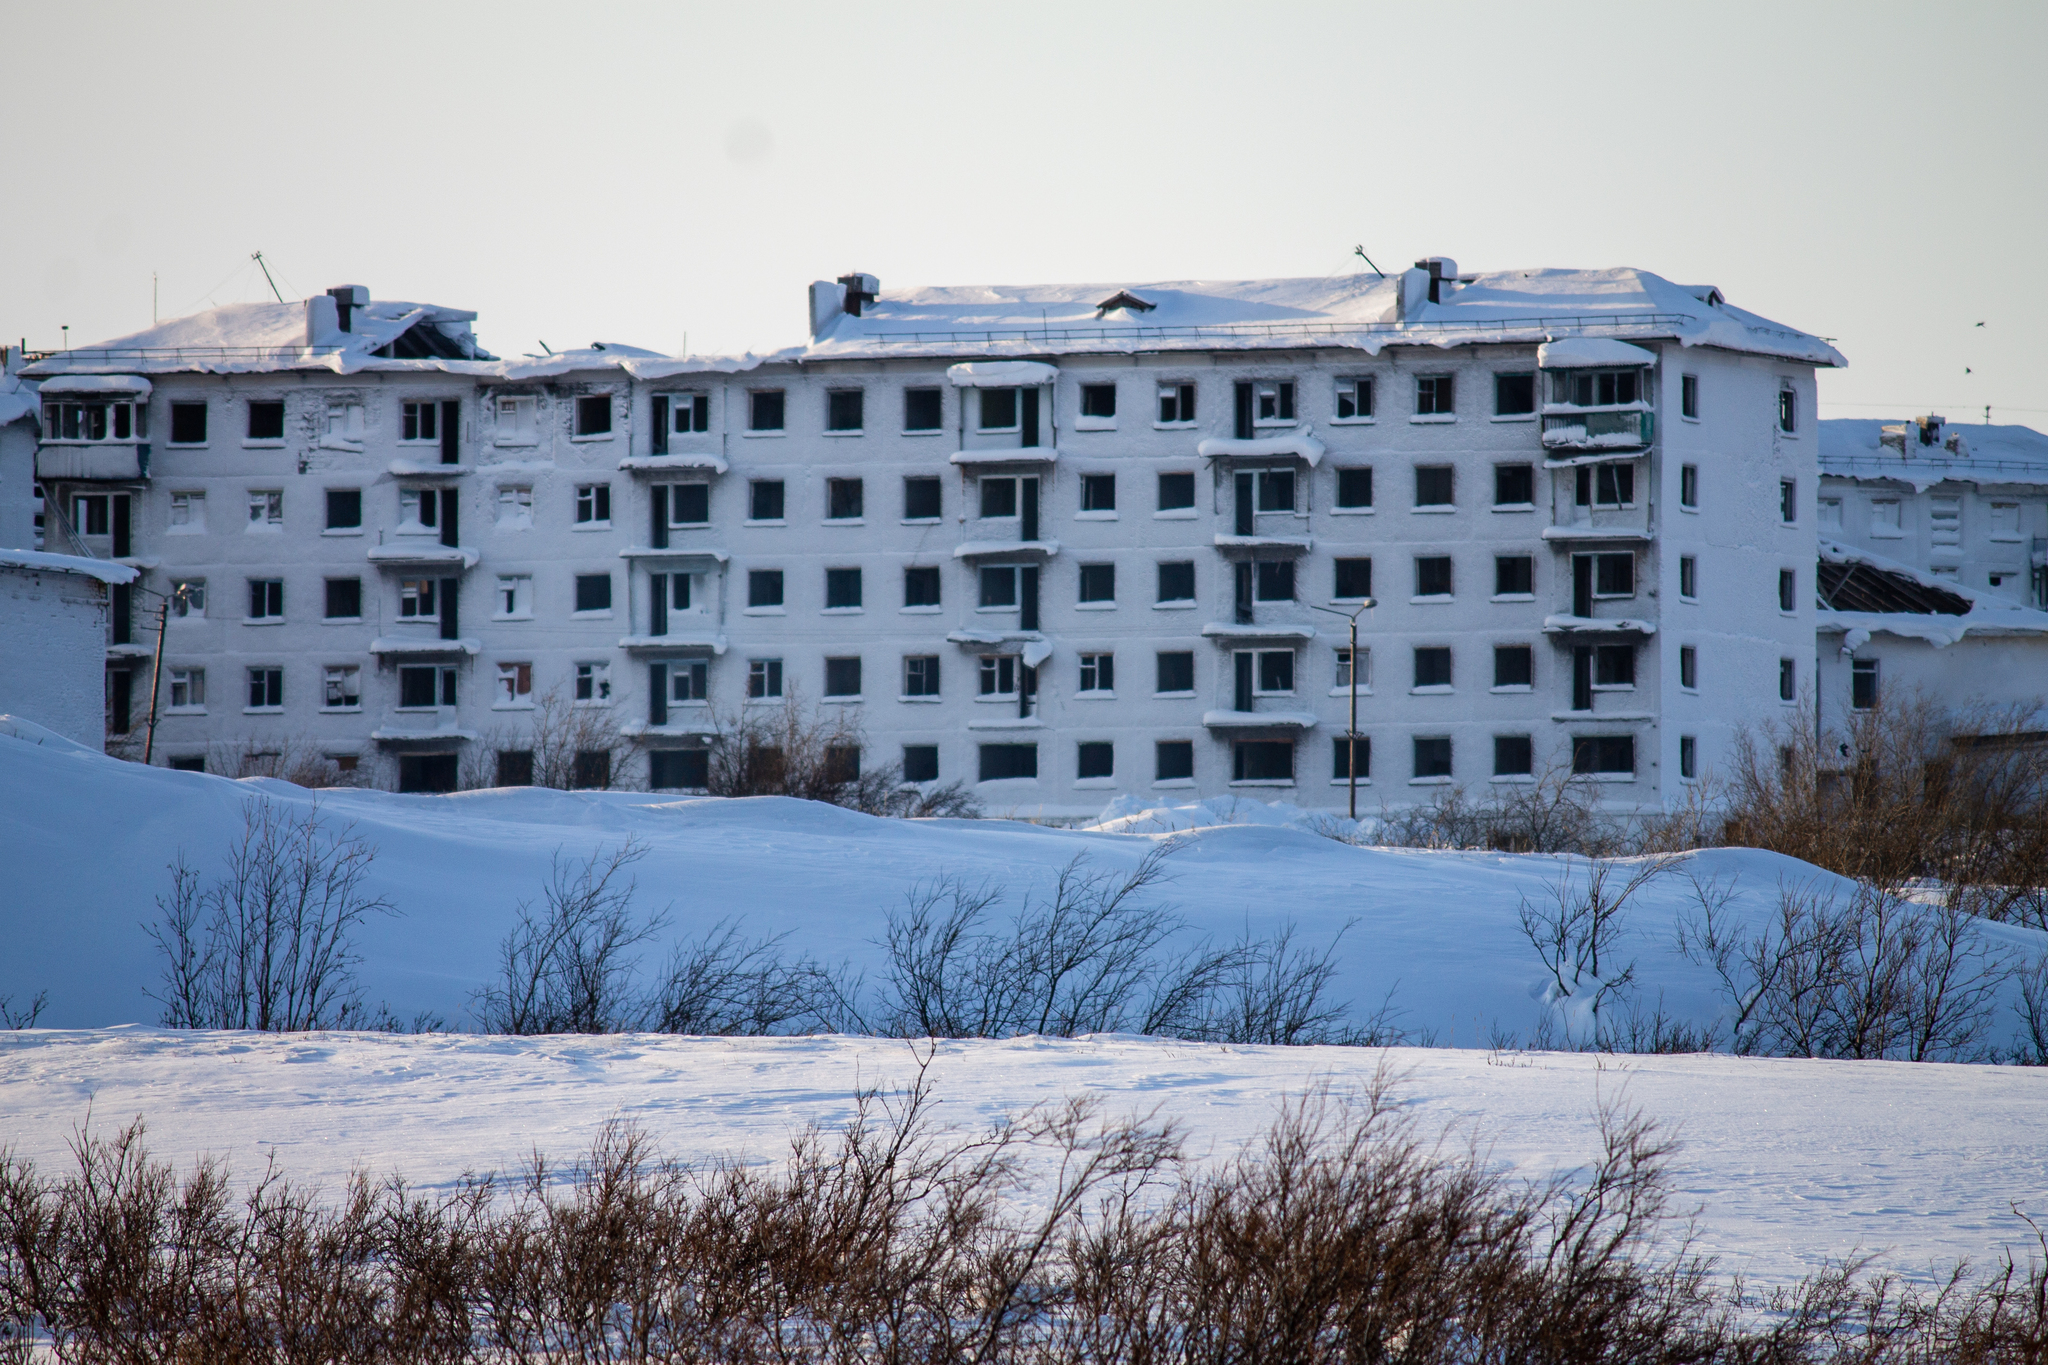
1597,430
93,461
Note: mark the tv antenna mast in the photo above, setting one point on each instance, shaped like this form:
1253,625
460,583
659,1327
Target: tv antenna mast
257,257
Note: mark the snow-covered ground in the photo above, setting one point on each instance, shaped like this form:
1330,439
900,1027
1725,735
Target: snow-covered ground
1789,1161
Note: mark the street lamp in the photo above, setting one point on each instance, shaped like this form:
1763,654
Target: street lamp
1351,735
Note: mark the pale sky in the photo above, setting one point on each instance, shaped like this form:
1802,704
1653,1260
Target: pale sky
656,174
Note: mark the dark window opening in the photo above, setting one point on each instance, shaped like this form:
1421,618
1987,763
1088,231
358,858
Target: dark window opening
1433,666
1432,755
1433,485
1098,582
593,592
1176,491
844,410
920,763
923,410
1514,394
188,424
1514,485
1274,581
1788,590
1688,576
1614,575
1788,680
1432,575
1606,485
1688,757
1353,580
1003,761
1262,760
1863,684
1689,395
1347,749
1593,754
1276,490
689,504
344,509
1098,400
1614,666
764,500
266,419
1354,399
1173,760
1514,666
1354,487
1094,759
764,410
1177,581
844,499
999,586
428,773
1513,756
1098,492
921,675
764,587
1176,672
594,415
1788,411
842,677
922,499
344,598
921,586
842,588
592,770
679,769
515,768
1176,403
998,497
1689,486
1513,575
998,409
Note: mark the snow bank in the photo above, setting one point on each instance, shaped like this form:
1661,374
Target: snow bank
86,840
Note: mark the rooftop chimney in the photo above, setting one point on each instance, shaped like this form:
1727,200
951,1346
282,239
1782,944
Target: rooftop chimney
860,291
347,297
1442,271
1930,429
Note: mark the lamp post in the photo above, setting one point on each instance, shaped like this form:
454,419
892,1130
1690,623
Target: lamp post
1351,734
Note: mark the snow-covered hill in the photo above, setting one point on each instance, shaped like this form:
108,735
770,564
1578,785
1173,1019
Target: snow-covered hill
85,840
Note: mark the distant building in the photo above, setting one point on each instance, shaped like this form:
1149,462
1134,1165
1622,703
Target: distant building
1934,538
1057,542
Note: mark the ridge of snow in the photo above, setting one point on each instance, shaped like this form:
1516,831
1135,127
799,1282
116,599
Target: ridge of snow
105,570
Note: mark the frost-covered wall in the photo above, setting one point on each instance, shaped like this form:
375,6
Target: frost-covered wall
53,633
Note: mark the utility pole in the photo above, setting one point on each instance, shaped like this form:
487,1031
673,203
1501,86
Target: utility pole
1351,734
156,666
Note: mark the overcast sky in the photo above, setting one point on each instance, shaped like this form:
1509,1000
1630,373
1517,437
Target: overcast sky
657,174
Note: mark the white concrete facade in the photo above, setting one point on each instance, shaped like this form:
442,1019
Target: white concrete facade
53,632
524,464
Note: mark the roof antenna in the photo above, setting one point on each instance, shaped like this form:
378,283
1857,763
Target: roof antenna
1359,252
257,257
544,346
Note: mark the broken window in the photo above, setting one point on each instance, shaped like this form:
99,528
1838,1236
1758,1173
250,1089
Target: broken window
188,689
689,504
1098,672
1098,492
1513,575
188,597
1354,488
1606,485
999,409
1614,666
997,675
999,586
515,596
416,598
1689,486
188,424
593,592
266,688
1262,760
1513,756
842,677
764,679
594,682
593,504
266,509
1435,395
1176,492
594,415
1098,400
1432,756
266,599
343,687
1614,575
1689,402
1514,485
1788,411
1098,583
1354,400
1688,667
920,763
420,421
188,512
685,413
678,769
1272,402
921,675
764,500
764,410
1863,684
1603,754
1688,576
1003,761
1433,485
1175,672
1273,580
1176,404
1432,575
1094,759
344,509
1173,760
1596,388
764,587
842,589
515,683
1514,666
1177,581
689,681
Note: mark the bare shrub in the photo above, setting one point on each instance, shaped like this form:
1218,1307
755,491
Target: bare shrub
1906,790
793,750
722,984
1060,1237
1866,974
22,1016
271,944
570,967
297,759
1555,812
1577,933
555,734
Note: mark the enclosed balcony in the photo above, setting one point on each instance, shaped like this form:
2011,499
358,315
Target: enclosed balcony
1571,428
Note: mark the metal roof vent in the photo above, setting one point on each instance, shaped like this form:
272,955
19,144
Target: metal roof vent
1125,299
860,291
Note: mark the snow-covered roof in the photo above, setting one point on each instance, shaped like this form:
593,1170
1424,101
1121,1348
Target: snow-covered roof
18,398
1857,448
133,385
246,338
1352,310
1940,611
105,570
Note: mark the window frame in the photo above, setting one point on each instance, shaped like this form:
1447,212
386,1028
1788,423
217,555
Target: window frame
835,399
1436,398
1348,390
1525,414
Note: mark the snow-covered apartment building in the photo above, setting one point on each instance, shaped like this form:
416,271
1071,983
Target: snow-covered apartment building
1933,573
1059,543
